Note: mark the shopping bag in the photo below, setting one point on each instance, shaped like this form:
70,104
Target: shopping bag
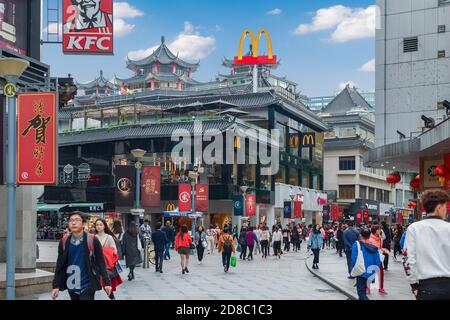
233,261
238,248
360,267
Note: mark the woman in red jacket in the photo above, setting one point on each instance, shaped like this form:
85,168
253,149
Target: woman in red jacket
183,242
376,240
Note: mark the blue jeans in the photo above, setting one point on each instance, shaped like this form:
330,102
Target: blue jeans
226,258
167,249
361,285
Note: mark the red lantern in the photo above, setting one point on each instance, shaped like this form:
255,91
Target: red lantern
412,205
393,178
440,173
415,183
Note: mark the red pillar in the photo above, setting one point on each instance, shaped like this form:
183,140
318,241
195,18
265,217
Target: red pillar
152,84
179,84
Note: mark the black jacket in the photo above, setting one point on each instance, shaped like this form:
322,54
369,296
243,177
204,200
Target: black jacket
159,239
96,267
170,233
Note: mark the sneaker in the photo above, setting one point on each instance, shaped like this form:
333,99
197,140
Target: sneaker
160,271
381,291
199,262
225,269
182,271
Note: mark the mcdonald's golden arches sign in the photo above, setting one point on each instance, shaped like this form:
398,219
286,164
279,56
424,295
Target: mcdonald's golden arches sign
294,140
308,139
170,207
254,58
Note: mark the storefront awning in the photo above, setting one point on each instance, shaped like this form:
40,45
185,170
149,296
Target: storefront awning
50,207
85,206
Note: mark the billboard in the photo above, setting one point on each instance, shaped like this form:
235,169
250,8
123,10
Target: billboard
250,205
238,207
36,138
151,186
125,186
88,27
14,25
287,210
297,209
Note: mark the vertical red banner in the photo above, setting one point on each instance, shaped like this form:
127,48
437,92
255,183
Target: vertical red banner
341,213
184,198
88,27
250,205
36,138
366,215
335,212
297,209
359,216
447,171
400,217
151,186
201,197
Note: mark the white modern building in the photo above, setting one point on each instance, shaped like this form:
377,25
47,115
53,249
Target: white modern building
412,66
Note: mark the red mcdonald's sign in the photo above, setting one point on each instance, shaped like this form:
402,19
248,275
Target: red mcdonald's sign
297,209
36,138
250,205
151,186
201,197
184,198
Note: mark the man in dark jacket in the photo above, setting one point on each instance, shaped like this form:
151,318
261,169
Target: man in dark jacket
386,244
351,235
340,239
80,263
170,234
159,239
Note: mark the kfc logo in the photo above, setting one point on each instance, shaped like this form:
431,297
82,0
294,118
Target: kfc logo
88,26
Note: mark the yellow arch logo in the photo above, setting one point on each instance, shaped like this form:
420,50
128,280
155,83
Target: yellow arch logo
255,59
170,207
308,140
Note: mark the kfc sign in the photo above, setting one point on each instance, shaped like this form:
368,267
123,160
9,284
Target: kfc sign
88,26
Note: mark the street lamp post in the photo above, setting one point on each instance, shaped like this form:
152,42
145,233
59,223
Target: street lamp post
138,154
244,209
194,176
292,195
11,69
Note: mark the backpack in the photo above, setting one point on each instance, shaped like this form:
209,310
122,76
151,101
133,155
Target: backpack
227,245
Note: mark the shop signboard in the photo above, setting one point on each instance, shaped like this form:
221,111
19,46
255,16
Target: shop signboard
250,203
184,198
125,186
201,197
297,209
151,186
237,206
287,210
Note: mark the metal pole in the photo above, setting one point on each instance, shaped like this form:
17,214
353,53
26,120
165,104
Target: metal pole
11,187
255,78
193,208
138,190
145,265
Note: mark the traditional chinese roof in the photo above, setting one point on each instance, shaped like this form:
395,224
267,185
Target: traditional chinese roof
100,81
161,55
229,63
347,100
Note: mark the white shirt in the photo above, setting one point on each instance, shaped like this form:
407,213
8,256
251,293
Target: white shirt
277,236
427,250
257,233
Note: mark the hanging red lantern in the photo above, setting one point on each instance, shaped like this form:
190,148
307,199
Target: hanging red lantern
415,183
393,178
440,173
412,205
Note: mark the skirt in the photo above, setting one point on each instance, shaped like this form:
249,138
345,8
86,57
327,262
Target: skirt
183,250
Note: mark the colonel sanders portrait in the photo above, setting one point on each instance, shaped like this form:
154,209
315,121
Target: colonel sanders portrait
88,16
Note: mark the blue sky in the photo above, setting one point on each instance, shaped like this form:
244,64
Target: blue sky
321,43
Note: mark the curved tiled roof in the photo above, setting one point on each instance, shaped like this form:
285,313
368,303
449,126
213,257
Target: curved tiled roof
100,81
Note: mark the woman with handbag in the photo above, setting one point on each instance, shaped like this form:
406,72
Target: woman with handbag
376,240
183,244
132,249
200,242
108,242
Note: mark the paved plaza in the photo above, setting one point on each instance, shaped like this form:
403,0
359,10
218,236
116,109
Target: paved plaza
272,279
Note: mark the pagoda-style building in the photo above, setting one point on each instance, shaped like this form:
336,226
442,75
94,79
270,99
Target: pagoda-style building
98,87
161,70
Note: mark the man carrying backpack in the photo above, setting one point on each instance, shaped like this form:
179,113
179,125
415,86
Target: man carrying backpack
80,262
226,247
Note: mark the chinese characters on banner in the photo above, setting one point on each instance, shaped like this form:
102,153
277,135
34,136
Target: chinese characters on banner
359,216
250,203
366,215
184,198
36,138
125,186
297,209
335,212
447,171
88,27
201,197
151,186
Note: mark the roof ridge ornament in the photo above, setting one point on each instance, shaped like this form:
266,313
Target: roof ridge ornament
163,39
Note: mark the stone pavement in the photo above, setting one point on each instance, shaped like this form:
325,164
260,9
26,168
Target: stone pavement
280,279
333,270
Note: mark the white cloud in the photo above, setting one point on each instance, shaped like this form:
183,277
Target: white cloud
368,66
274,12
189,44
122,11
348,23
342,85
218,28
